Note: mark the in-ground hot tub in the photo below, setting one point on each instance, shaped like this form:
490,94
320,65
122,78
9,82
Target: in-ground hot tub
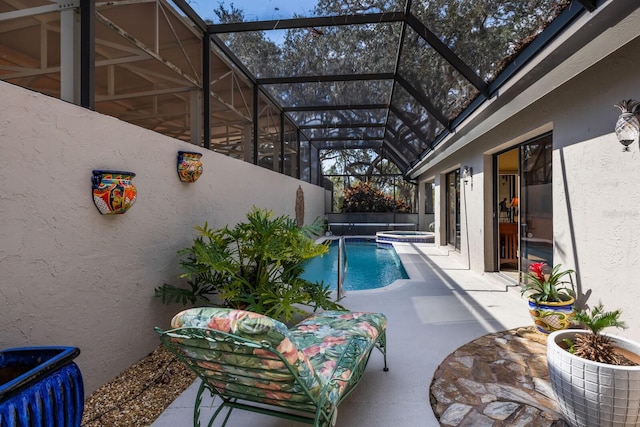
404,236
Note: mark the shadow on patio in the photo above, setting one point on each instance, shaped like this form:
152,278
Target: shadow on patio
442,307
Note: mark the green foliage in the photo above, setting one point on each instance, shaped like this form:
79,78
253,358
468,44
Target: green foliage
596,346
365,197
254,48
597,319
570,346
255,266
547,288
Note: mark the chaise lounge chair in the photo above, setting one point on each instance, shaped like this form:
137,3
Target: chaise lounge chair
256,363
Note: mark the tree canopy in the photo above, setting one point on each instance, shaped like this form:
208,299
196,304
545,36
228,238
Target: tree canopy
442,59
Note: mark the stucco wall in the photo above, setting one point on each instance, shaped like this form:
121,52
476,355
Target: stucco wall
70,276
596,186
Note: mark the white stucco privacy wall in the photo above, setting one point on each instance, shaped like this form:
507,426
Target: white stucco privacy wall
596,186
70,276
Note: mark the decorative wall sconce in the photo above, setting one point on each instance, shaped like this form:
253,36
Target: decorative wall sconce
467,174
189,166
113,191
628,126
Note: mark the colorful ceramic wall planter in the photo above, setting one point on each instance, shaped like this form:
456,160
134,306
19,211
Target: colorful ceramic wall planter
113,191
189,166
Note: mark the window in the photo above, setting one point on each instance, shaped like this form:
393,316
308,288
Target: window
453,209
429,191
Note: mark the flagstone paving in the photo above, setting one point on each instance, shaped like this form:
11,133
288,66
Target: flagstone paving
498,380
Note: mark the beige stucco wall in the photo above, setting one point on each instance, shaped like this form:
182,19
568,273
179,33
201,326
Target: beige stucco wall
70,276
596,186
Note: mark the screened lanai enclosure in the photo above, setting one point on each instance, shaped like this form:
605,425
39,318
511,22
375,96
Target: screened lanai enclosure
350,91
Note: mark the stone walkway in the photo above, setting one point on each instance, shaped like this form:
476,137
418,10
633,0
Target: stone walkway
498,380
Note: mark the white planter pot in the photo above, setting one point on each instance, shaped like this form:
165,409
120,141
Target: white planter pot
590,393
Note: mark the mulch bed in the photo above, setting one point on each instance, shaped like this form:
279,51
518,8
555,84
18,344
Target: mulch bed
140,394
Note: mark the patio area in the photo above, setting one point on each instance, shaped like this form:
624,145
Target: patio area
442,307
88,87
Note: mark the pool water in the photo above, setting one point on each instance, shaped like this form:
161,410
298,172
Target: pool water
370,266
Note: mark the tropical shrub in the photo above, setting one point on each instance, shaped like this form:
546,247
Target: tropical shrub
255,266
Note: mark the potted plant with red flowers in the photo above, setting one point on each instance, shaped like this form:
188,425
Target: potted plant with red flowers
550,297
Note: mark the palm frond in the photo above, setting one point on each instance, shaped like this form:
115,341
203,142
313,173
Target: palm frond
597,319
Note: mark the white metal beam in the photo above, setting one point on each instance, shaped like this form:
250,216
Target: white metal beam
143,94
39,10
195,114
69,55
146,49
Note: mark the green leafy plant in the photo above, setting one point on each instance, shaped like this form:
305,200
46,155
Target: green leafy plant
541,287
594,345
256,266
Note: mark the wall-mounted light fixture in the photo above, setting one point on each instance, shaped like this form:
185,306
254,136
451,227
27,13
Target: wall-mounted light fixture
467,174
628,126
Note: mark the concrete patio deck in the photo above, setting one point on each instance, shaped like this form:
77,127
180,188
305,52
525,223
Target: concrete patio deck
440,308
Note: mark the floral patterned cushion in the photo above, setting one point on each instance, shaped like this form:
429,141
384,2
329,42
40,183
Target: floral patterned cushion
312,348
227,365
323,337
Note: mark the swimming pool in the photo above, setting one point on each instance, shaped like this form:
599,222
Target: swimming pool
370,266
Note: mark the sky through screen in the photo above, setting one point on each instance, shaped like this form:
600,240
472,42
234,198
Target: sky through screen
256,10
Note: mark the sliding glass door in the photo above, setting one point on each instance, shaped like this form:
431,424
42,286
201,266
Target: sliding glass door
506,206
536,202
523,206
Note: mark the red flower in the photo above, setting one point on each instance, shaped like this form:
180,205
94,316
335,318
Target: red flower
536,270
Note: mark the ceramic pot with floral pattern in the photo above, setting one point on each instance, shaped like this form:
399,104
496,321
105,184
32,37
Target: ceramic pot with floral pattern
549,317
113,191
189,166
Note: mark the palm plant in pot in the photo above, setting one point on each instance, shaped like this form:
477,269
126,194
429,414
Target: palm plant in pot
550,297
595,376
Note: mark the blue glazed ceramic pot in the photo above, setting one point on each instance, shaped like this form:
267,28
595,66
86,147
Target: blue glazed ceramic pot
551,316
40,386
